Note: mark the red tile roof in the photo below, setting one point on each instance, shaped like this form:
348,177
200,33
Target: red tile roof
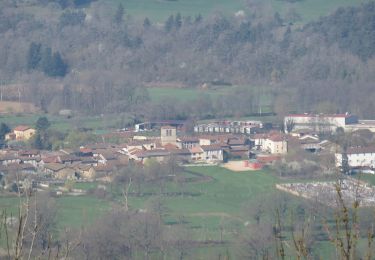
357,150
168,127
196,149
22,128
170,147
276,138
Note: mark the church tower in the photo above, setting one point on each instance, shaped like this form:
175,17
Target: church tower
168,135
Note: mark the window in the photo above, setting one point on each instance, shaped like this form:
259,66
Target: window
168,132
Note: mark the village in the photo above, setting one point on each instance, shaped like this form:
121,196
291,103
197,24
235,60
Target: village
235,145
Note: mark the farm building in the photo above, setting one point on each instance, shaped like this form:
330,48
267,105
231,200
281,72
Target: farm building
357,157
321,123
21,133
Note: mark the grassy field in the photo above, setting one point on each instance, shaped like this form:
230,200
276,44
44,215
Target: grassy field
370,178
313,9
220,199
74,212
158,94
220,202
159,10
62,123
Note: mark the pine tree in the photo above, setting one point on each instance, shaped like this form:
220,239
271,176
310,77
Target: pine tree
119,16
59,67
168,26
198,18
178,21
34,56
46,61
42,124
146,23
4,129
38,143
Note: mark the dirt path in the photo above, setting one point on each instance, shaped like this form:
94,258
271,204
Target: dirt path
236,166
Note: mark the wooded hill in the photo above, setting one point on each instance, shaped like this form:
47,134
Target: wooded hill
104,58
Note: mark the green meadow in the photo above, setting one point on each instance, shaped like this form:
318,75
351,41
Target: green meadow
159,94
62,123
206,208
159,10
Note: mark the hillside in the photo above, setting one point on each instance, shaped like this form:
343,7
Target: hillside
101,60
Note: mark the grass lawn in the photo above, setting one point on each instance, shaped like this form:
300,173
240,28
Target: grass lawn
370,178
85,185
159,10
313,9
62,123
217,203
74,212
158,94
9,205
225,194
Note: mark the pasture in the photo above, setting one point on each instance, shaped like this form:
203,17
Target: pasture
159,10
211,210
160,94
62,123
221,198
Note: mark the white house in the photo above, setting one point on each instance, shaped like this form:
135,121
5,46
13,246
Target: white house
212,152
274,143
357,157
318,122
197,153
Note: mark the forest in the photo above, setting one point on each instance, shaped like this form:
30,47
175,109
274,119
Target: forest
99,59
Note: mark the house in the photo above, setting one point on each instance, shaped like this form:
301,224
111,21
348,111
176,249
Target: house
187,142
212,153
208,140
139,144
276,144
273,143
89,161
66,174
29,153
68,159
321,123
9,158
86,171
310,143
259,140
357,157
183,154
31,160
23,168
235,127
237,147
239,152
21,133
106,157
53,168
197,153
156,154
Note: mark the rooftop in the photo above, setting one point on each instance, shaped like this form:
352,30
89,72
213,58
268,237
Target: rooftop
357,150
22,128
346,115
